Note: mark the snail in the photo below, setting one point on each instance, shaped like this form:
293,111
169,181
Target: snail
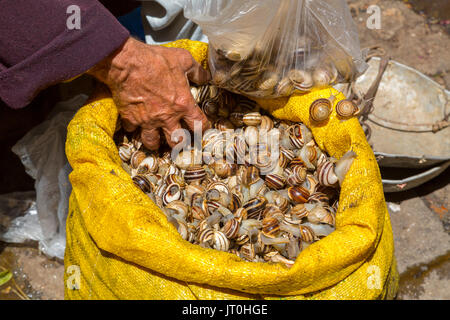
301,79
320,110
284,87
324,76
252,119
347,109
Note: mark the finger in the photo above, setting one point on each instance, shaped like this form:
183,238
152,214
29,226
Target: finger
128,126
175,134
198,75
193,69
196,120
151,138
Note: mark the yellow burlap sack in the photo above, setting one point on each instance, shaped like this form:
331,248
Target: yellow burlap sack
124,247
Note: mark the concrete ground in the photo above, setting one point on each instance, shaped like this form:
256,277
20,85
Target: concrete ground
420,217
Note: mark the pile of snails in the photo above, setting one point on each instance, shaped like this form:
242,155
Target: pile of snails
254,186
260,73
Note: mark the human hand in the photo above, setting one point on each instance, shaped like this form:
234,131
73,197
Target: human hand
150,86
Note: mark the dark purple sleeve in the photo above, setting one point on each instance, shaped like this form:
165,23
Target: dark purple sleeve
37,49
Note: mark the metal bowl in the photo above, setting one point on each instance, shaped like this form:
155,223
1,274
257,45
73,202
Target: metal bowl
406,107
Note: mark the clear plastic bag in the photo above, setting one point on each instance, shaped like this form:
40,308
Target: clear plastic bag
271,48
42,152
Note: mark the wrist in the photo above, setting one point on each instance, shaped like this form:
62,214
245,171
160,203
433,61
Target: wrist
113,67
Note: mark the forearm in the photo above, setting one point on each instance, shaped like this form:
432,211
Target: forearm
38,49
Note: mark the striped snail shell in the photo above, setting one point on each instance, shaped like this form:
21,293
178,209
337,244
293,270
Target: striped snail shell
175,178
260,247
224,169
252,119
317,214
283,204
266,123
223,124
318,197
301,79
221,197
326,175
184,159
284,87
251,135
299,211
220,241
214,93
346,109
231,228
307,234
311,183
172,193
148,165
233,55
206,235
210,206
143,183
270,227
247,105
297,162
247,251
198,213
289,154
241,240
298,194
203,93
209,137
324,76
237,119
320,110
283,162
275,181
269,82
195,174
196,200
241,214
193,189
240,148
250,176
125,151
255,207
136,158
210,108
195,94
180,207
296,136
219,186
273,211
299,174
309,155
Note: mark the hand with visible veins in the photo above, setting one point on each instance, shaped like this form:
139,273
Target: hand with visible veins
150,86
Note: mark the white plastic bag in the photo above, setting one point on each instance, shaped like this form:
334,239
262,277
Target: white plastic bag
270,48
42,152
